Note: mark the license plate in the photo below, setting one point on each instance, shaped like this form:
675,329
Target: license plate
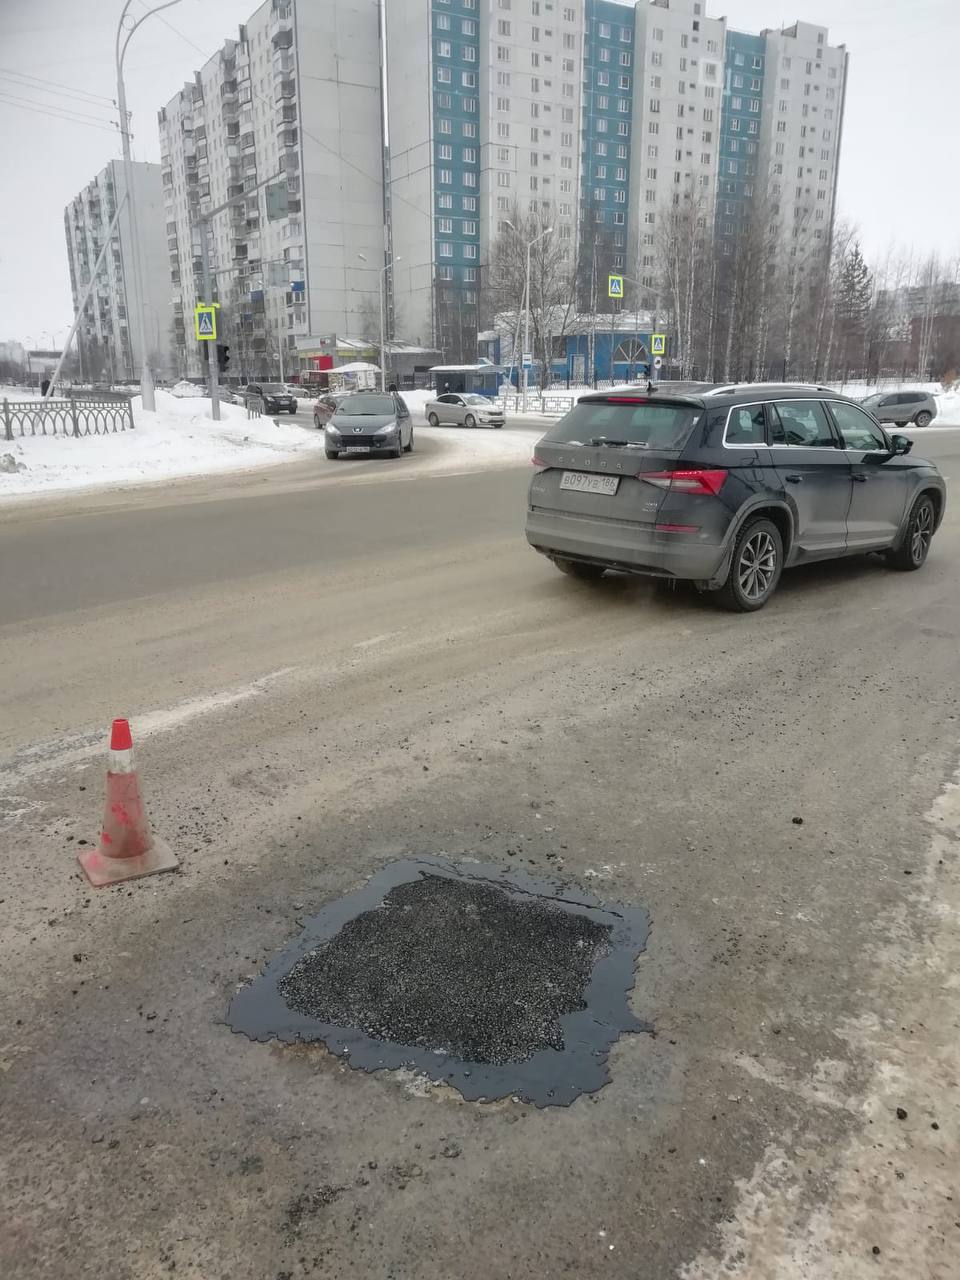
584,482
356,448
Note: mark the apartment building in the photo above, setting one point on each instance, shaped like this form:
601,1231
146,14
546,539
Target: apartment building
293,103
804,89
740,182
108,337
484,128
676,122
609,85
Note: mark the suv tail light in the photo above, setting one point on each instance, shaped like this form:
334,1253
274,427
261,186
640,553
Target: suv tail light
707,482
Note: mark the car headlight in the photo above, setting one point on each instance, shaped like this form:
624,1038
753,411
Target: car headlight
387,430
332,429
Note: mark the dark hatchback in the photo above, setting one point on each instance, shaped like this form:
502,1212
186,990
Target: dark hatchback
726,486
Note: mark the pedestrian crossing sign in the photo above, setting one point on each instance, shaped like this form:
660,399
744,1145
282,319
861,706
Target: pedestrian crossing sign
205,323
658,344
614,286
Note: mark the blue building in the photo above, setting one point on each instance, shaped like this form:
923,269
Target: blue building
455,128
608,82
739,135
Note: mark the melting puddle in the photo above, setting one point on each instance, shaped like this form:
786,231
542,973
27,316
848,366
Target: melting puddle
491,982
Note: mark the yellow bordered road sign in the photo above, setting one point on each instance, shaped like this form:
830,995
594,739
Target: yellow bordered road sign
205,323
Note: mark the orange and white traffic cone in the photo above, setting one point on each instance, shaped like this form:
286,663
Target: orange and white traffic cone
126,849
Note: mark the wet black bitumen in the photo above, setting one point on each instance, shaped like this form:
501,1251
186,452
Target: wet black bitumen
498,985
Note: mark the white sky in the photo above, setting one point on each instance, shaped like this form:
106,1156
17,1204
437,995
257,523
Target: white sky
900,163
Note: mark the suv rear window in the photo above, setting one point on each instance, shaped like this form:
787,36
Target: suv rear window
647,424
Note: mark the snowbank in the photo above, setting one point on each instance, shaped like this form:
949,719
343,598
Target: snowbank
180,439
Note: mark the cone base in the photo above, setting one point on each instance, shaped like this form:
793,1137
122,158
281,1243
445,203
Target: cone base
102,871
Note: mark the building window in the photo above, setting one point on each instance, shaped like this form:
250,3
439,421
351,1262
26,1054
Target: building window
503,104
468,27
445,249
468,53
469,204
470,179
445,226
621,174
620,197
469,129
444,75
599,194
445,273
444,126
445,176
469,250
503,26
503,53
503,179
444,49
503,129
469,81
445,201
656,59
469,155
443,22
445,151
604,30
469,228
624,59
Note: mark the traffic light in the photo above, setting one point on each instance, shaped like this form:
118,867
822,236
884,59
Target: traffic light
223,356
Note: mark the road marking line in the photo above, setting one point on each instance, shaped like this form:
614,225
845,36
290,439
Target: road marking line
78,748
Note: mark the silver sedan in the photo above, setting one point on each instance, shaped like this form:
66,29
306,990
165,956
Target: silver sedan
463,410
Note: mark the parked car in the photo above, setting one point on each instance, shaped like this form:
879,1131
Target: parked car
369,422
727,487
466,410
325,406
276,398
901,407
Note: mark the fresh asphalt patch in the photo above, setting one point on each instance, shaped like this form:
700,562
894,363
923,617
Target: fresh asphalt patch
495,984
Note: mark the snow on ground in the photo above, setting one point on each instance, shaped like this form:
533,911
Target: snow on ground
180,439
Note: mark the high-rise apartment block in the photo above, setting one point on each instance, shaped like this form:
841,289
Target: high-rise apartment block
294,100
411,134
108,338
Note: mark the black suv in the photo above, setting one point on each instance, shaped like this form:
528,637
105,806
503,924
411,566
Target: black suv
275,396
727,486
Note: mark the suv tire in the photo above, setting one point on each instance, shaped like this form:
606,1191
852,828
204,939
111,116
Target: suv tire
578,569
923,418
433,420
913,550
755,567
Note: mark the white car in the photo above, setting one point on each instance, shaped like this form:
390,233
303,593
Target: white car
464,409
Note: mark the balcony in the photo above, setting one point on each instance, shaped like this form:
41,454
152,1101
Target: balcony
285,89
283,37
287,138
228,90
235,189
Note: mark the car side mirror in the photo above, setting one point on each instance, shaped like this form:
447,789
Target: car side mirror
901,444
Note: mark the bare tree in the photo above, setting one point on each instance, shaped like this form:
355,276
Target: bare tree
552,279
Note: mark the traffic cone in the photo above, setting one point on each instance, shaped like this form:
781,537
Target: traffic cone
126,849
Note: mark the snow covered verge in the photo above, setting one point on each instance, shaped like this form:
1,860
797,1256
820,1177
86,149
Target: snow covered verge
180,439
561,401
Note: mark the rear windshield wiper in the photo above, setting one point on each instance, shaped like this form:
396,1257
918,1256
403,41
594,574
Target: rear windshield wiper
603,442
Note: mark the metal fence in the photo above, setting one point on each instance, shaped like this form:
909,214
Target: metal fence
76,417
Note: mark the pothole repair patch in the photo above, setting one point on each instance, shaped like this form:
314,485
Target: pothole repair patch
494,983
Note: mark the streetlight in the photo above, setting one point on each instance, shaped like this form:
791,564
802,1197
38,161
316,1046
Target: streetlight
383,280
120,50
526,314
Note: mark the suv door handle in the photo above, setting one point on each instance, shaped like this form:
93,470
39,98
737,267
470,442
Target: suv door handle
860,477
794,479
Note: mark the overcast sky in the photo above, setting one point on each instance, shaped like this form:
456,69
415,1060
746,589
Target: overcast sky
899,167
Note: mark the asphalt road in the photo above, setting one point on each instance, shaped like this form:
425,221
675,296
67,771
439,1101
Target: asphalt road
328,673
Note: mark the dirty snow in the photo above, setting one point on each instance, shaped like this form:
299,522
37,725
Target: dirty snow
180,439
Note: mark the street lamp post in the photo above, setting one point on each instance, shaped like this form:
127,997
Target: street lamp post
526,313
146,376
383,308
